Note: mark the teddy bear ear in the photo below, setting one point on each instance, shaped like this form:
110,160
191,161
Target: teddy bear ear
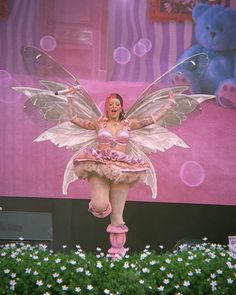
199,9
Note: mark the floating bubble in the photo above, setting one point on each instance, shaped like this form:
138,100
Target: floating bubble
147,43
192,173
121,55
139,49
7,94
48,43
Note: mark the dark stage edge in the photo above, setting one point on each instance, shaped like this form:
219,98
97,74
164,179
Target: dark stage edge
149,223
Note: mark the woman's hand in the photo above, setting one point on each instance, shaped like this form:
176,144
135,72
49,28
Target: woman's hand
171,100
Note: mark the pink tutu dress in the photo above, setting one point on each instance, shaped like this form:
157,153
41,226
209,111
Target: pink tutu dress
109,158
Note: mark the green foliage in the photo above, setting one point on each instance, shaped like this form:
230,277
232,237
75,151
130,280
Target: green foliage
201,269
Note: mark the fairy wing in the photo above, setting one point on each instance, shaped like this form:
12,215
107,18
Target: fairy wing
157,137
153,98
156,94
49,105
54,107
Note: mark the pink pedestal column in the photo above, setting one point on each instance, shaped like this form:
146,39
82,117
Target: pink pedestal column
117,239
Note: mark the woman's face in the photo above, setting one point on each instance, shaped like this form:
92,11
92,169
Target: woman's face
114,108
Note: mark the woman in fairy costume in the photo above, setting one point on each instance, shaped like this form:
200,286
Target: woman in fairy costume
109,169
111,149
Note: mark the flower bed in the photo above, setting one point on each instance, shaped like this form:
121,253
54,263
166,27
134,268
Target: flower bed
199,269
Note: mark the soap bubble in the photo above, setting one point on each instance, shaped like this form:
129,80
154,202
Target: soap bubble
139,49
48,43
147,43
7,94
192,173
121,55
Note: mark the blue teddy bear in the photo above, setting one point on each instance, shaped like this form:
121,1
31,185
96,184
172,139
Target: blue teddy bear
215,31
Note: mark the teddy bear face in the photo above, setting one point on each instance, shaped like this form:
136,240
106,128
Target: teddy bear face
215,27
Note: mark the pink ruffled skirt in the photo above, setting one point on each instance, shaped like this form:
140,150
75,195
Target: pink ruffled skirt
114,165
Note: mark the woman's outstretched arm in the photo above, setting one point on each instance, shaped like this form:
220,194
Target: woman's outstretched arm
74,118
154,118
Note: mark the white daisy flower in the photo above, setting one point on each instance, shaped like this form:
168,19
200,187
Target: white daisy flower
166,281
230,281
161,288
90,287
186,283
99,264
64,287
190,273
198,270
141,282
39,283
6,271
145,270
12,283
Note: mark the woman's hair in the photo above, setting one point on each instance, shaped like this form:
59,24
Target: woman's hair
117,96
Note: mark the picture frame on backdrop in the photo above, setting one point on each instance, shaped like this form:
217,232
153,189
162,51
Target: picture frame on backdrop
4,9
166,10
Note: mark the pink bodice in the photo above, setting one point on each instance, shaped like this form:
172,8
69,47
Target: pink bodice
105,137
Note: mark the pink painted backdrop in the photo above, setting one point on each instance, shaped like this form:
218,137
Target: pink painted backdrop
205,173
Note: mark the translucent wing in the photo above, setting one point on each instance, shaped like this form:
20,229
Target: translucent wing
41,65
154,97
156,137
150,139
68,135
54,107
45,101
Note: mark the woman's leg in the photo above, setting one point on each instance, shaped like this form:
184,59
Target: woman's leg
118,195
99,187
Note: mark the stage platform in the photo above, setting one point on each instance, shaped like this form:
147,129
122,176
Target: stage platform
68,222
